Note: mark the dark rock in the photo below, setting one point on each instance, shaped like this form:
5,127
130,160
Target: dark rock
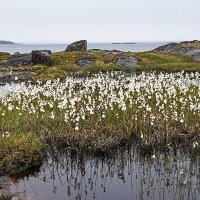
16,53
77,46
184,48
96,49
172,48
127,61
85,61
17,61
4,54
41,57
116,51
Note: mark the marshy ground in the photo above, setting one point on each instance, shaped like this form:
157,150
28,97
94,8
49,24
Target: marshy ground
75,108
95,113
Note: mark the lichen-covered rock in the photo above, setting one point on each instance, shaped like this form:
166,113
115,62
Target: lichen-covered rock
196,57
127,61
184,48
77,46
41,57
17,61
85,61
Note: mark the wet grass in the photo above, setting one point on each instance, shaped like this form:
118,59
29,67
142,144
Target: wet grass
19,151
96,114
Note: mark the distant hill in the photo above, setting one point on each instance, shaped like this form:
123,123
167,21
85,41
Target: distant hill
6,42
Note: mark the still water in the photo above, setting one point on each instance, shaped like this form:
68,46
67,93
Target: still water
125,175
27,48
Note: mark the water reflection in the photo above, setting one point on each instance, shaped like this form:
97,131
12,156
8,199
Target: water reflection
123,175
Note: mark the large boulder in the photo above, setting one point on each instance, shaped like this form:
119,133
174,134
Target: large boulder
77,46
41,57
17,61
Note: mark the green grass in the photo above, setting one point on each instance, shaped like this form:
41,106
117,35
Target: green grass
103,61
3,57
66,62
19,152
150,61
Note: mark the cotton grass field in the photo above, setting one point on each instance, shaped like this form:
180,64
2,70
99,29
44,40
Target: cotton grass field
94,114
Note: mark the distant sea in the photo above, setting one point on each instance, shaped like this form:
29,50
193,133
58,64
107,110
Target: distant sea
27,48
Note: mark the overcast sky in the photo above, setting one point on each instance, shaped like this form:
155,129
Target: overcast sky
99,20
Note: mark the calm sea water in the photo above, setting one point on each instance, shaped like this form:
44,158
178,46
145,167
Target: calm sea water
27,48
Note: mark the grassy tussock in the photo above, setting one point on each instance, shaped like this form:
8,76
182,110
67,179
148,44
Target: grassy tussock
19,152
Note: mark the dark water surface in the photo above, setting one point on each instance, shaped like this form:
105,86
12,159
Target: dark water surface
27,48
122,176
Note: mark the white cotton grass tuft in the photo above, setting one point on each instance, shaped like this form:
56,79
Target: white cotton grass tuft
142,103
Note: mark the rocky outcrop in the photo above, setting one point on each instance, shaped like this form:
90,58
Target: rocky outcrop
127,61
17,61
184,48
41,57
85,61
29,59
196,57
77,46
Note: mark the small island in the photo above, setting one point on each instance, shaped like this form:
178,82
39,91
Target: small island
123,43
6,42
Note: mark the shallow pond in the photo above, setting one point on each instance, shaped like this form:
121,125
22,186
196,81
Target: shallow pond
123,175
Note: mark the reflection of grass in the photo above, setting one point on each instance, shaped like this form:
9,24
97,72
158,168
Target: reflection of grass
150,61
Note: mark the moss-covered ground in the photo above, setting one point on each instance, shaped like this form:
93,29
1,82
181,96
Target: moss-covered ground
66,62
